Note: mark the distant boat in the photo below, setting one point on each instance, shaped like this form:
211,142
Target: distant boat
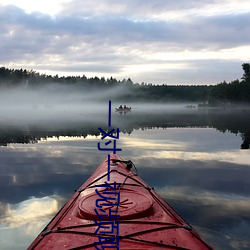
125,110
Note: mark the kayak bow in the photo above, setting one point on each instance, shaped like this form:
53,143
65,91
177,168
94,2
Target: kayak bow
142,219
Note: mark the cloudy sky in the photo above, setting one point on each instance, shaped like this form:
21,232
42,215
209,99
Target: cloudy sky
157,41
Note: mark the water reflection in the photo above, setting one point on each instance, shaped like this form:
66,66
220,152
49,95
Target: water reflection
33,209
197,168
20,222
82,125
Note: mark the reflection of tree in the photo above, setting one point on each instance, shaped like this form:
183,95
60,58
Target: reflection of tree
16,137
246,141
222,120
236,122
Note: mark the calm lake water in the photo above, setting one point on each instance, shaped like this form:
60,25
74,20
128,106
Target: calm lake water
197,160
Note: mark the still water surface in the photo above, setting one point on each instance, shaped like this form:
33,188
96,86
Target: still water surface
193,160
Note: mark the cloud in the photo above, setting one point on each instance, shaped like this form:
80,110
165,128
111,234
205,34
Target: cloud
223,31
143,10
91,37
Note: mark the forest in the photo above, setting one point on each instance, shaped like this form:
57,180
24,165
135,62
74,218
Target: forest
224,93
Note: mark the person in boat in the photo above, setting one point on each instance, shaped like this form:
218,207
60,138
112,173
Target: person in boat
120,107
125,106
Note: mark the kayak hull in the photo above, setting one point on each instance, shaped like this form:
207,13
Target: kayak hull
141,219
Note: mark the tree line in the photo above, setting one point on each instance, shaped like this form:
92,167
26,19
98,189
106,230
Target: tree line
236,91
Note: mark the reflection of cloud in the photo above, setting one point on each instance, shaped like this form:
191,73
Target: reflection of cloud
200,144
152,143
221,218
228,203
2,209
225,156
168,149
25,220
29,213
72,139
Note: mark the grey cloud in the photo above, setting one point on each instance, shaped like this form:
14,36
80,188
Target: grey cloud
98,39
209,71
217,31
85,68
133,8
220,31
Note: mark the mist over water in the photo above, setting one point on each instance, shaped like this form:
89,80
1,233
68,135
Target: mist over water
61,102
63,108
47,103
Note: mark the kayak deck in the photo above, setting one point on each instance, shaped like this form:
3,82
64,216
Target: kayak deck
141,219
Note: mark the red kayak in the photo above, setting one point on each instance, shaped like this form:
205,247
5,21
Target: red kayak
116,209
